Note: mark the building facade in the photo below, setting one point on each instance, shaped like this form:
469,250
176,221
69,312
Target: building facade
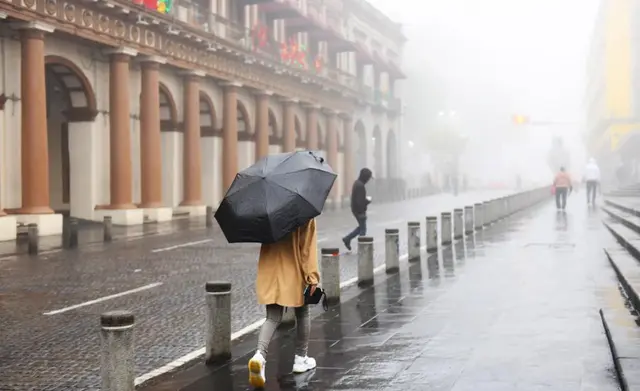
612,96
113,108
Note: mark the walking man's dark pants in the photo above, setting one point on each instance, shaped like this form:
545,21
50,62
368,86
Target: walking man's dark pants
561,197
360,230
592,187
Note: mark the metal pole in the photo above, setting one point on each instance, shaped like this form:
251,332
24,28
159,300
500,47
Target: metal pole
33,237
445,228
107,226
117,362
392,250
468,220
330,273
218,300
458,223
432,234
413,240
365,261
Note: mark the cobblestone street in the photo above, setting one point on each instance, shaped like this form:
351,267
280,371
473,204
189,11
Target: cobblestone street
50,304
514,308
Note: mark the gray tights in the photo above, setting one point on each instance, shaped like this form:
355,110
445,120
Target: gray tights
274,317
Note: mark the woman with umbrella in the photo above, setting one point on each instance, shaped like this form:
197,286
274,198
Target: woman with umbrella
275,202
284,269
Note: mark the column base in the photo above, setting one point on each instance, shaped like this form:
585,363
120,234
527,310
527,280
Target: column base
192,210
126,217
48,224
8,228
158,214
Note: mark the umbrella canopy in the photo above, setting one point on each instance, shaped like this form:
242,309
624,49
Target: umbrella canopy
272,198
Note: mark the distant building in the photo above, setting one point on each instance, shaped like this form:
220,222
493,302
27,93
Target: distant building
612,96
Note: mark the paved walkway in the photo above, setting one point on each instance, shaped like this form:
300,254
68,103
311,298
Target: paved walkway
516,308
161,279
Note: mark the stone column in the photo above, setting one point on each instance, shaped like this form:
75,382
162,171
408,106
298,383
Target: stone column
150,140
120,129
312,127
34,141
347,124
230,135
262,124
191,157
332,151
289,130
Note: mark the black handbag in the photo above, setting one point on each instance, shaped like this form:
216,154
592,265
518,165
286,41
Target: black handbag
318,294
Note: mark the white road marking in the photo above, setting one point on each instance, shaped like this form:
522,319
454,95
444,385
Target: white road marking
105,298
322,240
159,250
389,223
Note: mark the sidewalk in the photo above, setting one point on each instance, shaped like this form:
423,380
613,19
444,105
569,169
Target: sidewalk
516,308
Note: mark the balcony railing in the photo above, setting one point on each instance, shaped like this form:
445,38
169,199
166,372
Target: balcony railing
193,17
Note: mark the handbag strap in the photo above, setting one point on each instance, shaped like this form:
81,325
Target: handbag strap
325,304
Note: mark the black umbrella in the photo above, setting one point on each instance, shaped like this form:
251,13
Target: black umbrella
272,198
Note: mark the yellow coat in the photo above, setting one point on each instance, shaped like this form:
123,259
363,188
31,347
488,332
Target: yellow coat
285,268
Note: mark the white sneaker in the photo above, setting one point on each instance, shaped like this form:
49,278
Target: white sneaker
256,370
303,364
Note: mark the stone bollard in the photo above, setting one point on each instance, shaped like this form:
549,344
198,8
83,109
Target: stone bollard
218,337
392,250
413,241
468,220
365,261
209,217
107,226
479,216
117,362
445,228
488,217
33,237
432,234
458,223
70,233
330,273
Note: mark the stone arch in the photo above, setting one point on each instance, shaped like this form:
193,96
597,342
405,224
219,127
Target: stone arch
274,132
207,116
392,155
297,125
377,151
76,88
360,141
168,111
244,124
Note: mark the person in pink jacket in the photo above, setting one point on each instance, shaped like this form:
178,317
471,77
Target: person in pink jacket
562,185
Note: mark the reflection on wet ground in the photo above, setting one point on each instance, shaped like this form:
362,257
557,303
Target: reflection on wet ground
512,308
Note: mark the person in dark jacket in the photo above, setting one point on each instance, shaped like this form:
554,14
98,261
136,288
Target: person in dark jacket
359,203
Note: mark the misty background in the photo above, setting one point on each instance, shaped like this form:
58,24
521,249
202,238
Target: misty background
486,61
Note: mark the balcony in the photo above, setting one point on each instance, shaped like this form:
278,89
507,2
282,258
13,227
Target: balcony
192,20
281,9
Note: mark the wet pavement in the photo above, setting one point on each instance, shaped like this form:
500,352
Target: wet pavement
514,308
49,305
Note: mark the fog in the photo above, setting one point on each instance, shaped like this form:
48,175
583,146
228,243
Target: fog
486,61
